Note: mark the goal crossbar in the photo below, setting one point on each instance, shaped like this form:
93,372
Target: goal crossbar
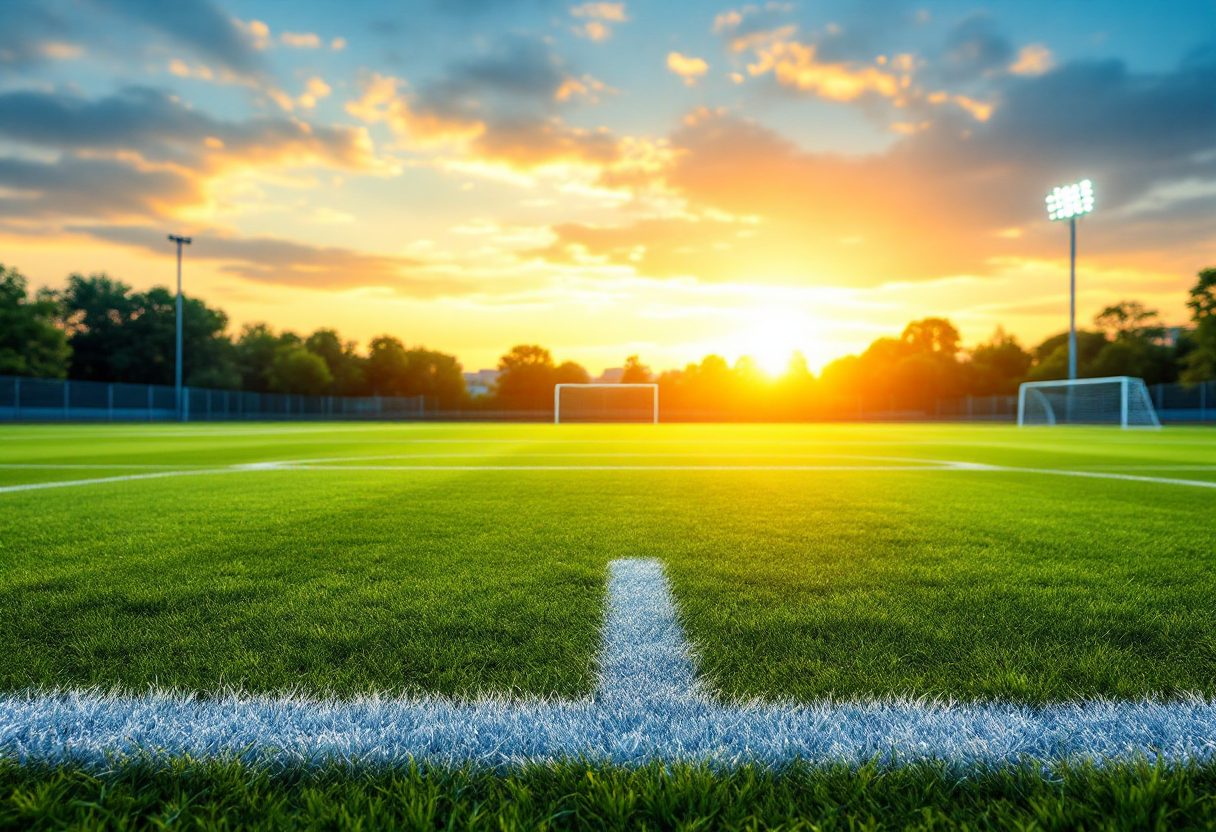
652,403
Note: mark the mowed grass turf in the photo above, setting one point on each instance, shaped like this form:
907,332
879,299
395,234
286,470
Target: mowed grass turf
360,575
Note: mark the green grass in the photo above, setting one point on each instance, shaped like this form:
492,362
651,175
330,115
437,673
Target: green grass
208,796
969,585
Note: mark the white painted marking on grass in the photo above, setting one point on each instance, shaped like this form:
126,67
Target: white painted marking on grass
1106,475
919,465
36,486
648,706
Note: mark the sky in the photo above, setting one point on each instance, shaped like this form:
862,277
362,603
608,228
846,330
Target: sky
668,179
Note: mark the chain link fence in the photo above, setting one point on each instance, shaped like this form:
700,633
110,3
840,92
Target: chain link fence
52,400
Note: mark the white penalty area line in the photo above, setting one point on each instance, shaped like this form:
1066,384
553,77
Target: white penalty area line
649,705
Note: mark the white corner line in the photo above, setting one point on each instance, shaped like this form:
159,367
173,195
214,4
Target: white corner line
649,705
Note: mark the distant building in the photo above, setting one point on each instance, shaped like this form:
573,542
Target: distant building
612,375
481,383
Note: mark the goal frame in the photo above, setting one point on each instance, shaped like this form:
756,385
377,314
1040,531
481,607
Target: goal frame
1125,382
557,397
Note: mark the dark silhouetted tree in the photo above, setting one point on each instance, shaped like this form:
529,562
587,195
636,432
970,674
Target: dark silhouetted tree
1200,362
635,372
30,342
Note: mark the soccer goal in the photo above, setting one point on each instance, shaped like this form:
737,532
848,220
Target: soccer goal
1118,400
606,403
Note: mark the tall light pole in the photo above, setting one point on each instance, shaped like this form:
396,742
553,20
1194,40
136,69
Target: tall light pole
1069,202
177,372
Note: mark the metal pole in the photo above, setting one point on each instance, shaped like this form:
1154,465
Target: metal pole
1072,300
177,371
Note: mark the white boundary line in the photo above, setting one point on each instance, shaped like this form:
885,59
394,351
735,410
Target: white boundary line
648,706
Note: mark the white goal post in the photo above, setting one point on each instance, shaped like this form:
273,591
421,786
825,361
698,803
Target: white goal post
606,403
1117,400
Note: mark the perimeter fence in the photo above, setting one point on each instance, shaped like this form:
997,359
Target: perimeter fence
52,400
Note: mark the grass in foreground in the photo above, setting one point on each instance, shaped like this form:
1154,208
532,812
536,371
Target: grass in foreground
800,584
573,796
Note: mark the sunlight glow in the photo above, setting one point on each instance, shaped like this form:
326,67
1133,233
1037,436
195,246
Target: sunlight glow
772,336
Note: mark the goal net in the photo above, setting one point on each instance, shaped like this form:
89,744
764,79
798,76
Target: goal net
606,403
1119,400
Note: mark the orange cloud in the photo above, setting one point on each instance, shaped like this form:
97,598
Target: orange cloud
690,69
1034,59
794,65
759,210
525,142
598,16
282,262
383,101
301,40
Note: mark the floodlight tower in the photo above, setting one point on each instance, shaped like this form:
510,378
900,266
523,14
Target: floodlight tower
177,371
1069,202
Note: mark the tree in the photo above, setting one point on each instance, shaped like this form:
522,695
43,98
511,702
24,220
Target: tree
1200,362
435,375
526,376
30,342
118,335
998,365
1129,320
297,370
255,349
570,372
932,336
386,366
1051,356
392,370
343,361
635,372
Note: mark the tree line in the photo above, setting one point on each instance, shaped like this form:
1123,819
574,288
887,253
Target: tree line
98,329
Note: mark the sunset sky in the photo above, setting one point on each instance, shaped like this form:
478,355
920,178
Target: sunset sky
661,178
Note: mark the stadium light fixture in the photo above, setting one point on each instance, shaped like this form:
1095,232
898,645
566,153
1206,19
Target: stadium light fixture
177,372
1068,202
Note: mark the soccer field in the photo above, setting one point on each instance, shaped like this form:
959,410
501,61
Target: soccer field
789,572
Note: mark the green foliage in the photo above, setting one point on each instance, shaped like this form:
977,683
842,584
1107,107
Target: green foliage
120,335
527,375
1200,363
1130,321
575,796
392,370
998,366
966,585
30,342
297,370
343,361
256,348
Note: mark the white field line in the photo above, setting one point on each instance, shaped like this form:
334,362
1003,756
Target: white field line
648,706
36,486
90,466
951,467
925,465
1107,475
